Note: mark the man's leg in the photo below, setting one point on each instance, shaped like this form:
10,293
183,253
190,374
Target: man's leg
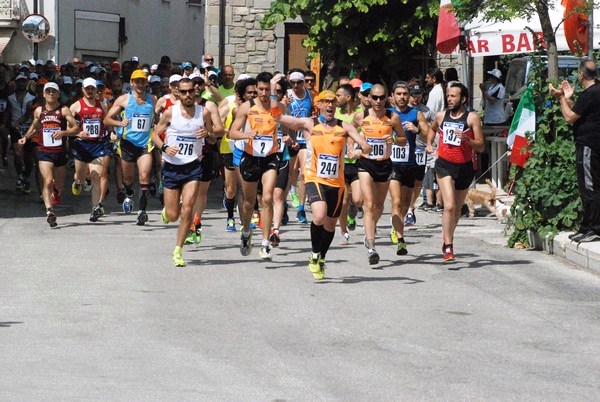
144,164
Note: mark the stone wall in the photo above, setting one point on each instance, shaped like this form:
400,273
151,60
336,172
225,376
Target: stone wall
248,48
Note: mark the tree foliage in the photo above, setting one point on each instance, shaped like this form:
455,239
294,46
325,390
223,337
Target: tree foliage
362,32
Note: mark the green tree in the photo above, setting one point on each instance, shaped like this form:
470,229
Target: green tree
381,34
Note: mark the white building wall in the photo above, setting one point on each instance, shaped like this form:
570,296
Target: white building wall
153,28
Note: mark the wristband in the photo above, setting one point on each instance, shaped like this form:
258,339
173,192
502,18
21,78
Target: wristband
275,111
164,147
273,96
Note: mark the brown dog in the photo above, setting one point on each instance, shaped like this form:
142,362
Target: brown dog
483,198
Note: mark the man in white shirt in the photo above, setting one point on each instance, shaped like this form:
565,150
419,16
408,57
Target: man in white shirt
435,79
493,94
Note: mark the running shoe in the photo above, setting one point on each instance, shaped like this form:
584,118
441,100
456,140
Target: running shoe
373,257
231,225
345,238
163,216
87,185
26,188
197,233
265,253
246,244
178,257
285,219
351,223
76,188
274,239
191,237
401,248
394,236
314,267
301,216
410,219
127,205
142,218
51,218
120,197
56,196
424,206
295,200
448,252
95,214
19,185
101,209
439,208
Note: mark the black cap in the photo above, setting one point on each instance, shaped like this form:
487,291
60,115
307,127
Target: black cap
415,89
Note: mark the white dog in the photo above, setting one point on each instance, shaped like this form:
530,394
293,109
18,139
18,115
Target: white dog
502,212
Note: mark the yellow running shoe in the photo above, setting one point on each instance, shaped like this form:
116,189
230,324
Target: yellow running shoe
163,215
76,188
178,257
394,236
314,267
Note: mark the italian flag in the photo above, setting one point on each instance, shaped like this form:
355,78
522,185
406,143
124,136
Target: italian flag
447,29
523,121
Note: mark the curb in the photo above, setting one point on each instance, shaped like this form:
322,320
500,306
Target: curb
586,255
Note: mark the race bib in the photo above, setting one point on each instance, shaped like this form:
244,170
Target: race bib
449,133
280,143
328,166
92,127
378,148
420,156
48,139
3,104
300,137
262,145
400,154
185,145
140,122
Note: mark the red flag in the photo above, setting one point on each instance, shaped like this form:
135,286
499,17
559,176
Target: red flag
516,156
576,26
447,30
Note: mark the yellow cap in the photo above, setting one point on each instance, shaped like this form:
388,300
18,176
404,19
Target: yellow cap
138,74
327,94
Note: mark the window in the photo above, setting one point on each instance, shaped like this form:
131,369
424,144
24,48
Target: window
195,2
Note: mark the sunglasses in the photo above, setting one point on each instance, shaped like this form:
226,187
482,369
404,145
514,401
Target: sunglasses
280,91
328,100
376,98
186,91
209,60
296,82
198,82
309,80
252,92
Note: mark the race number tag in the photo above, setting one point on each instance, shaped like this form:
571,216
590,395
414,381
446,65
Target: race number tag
185,145
449,131
92,127
3,104
300,137
262,145
400,154
378,150
328,166
420,156
48,139
140,122
280,143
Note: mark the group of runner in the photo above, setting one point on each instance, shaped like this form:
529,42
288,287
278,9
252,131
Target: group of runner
342,151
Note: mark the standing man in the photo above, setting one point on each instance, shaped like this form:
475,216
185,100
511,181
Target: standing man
435,79
51,123
135,145
254,122
584,114
227,84
93,147
493,94
326,138
187,125
460,133
375,167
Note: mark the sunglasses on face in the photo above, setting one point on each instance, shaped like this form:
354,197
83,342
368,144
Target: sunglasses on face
186,91
332,101
198,82
209,60
252,92
296,82
280,91
309,80
376,98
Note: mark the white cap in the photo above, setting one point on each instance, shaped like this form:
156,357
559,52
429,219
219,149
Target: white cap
244,76
51,85
39,63
496,73
89,82
174,78
135,58
93,69
67,80
296,76
33,76
211,72
204,65
154,78
196,75
21,77
79,81
154,67
88,63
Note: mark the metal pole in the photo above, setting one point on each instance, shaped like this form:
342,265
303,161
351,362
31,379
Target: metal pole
591,34
222,9
35,45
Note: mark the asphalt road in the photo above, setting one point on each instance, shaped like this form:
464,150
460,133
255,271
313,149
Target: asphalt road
97,312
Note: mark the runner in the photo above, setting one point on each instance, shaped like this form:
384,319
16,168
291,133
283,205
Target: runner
254,122
50,126
134,146
375,167
406,162
93,149
460,133
326,145
187,125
